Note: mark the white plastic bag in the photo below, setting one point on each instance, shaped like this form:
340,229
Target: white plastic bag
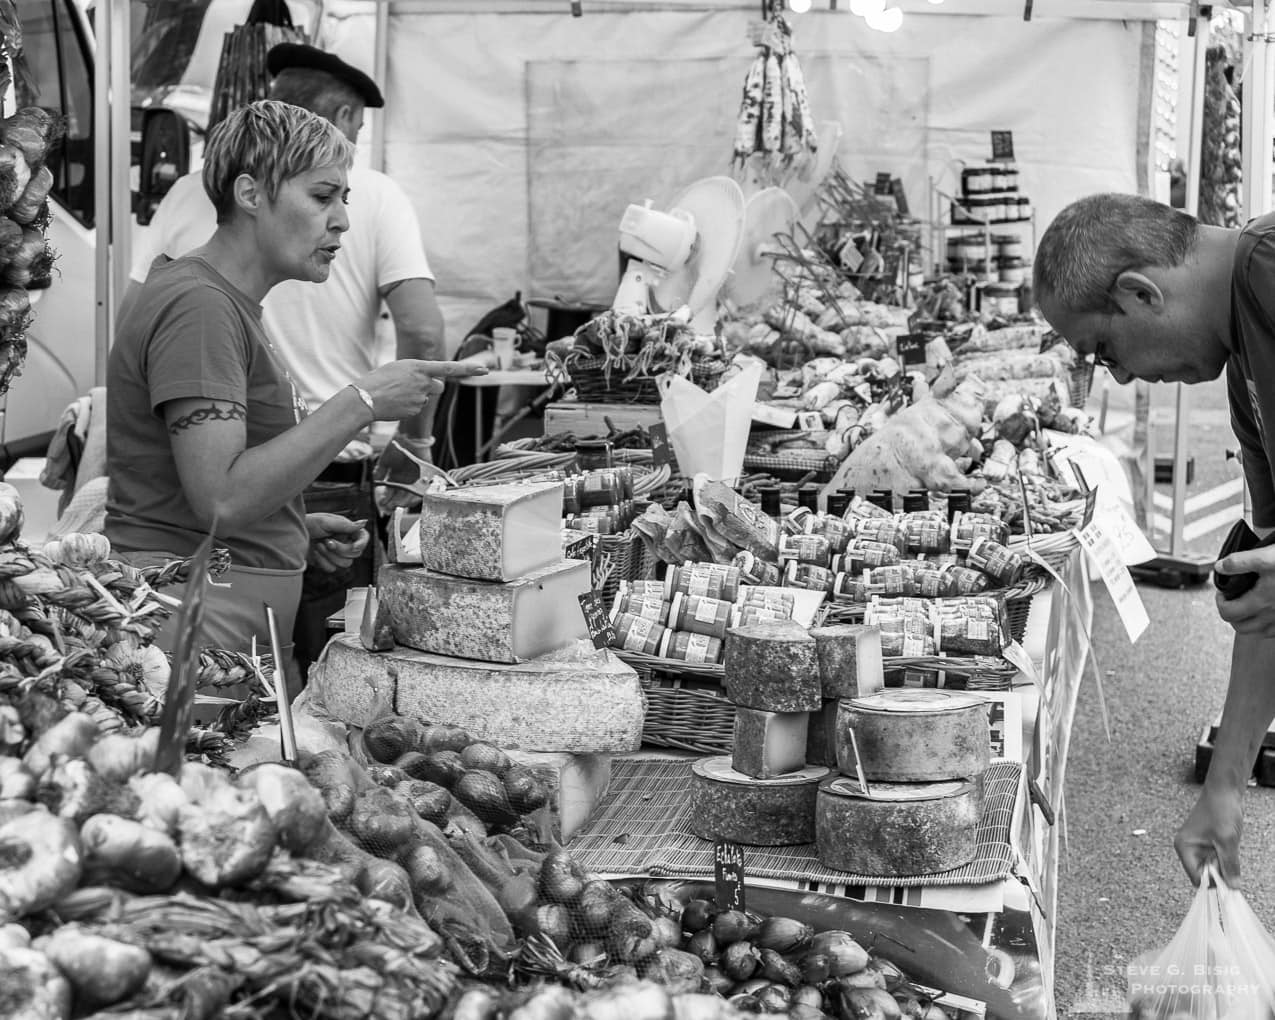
1220,964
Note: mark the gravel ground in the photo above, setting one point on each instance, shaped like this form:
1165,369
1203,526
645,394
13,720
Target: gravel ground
1122,890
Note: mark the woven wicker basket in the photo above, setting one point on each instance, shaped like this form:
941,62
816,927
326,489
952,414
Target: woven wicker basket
619,558
688,716
593,385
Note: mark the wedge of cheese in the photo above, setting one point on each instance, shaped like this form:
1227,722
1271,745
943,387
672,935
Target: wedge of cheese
577,783
578,700
850,663
903,829
915,735
511,621
769,744
726,804
772,666
492,532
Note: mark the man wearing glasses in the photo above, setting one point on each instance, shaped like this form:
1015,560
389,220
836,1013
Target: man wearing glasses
1151,293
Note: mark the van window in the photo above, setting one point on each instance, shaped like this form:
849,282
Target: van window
55,55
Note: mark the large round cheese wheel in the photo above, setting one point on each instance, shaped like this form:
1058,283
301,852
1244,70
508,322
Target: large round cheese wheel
914,735
901,830
773,666
726,804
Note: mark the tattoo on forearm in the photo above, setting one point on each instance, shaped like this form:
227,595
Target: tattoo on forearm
216,411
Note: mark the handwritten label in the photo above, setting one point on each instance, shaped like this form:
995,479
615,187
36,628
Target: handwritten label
1106,557
1002,146
660,452
728,875
579,548
884,184
911,348
596,619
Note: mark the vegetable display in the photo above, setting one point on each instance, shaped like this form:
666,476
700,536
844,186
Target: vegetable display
26,260
774,127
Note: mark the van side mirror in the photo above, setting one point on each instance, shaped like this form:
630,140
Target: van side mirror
165,157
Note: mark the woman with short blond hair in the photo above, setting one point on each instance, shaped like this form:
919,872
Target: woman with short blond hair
205,429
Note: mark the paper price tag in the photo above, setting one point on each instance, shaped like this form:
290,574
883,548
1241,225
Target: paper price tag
769,414
1106,557
911,348
596,619
660,452
579,548
728,875
1125,534
1002,146
810,421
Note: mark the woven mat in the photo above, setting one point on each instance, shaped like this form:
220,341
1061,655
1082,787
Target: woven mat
641,829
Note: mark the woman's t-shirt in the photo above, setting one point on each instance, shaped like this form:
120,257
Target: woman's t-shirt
190,333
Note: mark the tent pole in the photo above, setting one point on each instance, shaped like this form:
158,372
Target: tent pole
380,69
111,197
1257,107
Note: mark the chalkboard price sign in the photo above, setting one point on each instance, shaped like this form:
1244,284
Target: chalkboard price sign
660,453
728,875
579,548
1002,146
596,619
884,184
911,348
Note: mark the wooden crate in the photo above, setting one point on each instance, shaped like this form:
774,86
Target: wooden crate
582,419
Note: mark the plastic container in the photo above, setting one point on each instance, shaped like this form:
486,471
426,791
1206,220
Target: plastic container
699,614
635,634
998,562
649,607
593,454
780,600
754,570
814,549
716,580
999,299
808,576
691,647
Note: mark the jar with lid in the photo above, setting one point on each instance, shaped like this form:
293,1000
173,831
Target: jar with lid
1011,178
593,454
1009,246
1024,207
1000,299
700,614
637,634
1011,270
975,180
839,503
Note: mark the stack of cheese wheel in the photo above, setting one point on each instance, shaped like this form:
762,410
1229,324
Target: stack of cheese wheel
764,793
922,754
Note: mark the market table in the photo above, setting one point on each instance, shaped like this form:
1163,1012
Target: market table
536,377
985,932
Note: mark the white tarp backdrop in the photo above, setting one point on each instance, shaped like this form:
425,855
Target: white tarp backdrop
521,136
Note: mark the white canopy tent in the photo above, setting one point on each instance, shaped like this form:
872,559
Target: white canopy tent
521,132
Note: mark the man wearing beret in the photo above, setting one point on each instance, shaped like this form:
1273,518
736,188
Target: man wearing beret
327,333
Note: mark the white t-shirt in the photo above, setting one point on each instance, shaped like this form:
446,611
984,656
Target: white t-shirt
326,332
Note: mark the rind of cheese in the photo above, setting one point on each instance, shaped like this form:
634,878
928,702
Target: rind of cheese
850,663
921,829
914,736
769,744
821,735
772,666
577,783
513,621
492,532
729,805
584,702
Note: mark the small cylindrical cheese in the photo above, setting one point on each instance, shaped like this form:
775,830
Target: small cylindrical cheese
726,804
914,736
901,830
773,666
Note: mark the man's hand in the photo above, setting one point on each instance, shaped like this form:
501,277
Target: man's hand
335,541
396,465
1254,611
1211,832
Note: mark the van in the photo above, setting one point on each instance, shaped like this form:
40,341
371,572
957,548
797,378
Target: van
175,47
